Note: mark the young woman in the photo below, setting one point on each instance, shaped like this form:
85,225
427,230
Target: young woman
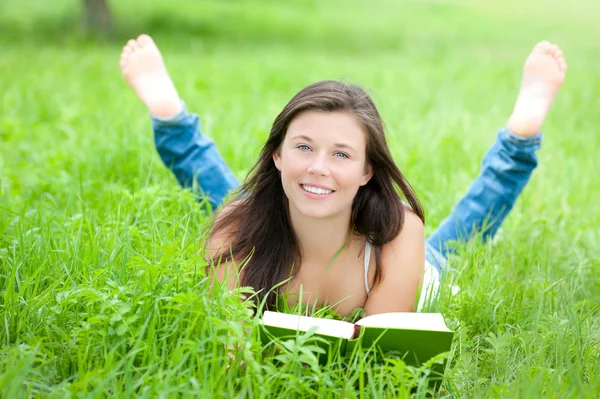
321,207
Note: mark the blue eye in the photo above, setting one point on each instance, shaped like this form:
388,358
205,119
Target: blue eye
301,146
343,155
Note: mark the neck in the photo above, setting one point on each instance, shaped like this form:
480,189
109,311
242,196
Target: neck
321,238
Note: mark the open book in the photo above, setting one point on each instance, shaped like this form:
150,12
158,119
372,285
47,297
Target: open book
415,336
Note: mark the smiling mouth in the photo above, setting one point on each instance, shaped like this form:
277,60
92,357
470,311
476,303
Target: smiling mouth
316,190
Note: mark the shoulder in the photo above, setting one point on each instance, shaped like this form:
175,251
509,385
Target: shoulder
218,246
223,230
413,232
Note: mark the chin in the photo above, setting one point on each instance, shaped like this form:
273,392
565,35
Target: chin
316,212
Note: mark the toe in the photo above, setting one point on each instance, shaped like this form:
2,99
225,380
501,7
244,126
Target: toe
543,47
144,40
132,44
130,49
558,53
562,65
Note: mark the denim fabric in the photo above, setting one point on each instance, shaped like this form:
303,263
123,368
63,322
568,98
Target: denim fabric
505,171
193,157
506,168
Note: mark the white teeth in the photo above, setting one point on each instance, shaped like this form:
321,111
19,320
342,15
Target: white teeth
316,190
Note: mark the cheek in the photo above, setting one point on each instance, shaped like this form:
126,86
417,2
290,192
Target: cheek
350,176
291,169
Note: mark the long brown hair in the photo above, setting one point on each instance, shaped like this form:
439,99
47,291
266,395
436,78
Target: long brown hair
263,236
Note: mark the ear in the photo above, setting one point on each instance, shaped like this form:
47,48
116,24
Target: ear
277,158
367,175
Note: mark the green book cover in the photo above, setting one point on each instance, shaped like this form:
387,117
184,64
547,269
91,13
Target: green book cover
416,337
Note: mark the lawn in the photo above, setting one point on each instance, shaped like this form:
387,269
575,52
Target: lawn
102,285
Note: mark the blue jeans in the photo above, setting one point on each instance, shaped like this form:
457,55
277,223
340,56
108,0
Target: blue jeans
505,170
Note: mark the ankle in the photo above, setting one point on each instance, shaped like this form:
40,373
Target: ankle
526,124
522,141
174,119
165,109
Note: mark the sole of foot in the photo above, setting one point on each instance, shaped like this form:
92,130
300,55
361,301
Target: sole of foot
144,70
543,75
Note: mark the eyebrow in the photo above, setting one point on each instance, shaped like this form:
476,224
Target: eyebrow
339,145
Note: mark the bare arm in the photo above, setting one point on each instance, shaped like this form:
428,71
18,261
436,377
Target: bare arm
402,261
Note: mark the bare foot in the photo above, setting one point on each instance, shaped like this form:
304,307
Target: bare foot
143,67
543,74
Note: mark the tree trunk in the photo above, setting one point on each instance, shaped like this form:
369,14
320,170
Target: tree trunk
97,15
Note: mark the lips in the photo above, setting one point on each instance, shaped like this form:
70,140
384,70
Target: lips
317,186
315,192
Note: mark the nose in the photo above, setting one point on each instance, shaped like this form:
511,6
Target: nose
318,166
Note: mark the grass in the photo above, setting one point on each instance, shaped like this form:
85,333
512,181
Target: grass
101,278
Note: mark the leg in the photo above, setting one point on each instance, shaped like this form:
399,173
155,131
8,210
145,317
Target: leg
508,165
505,171
191,156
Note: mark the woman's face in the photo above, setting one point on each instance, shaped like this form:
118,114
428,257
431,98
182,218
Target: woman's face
322,161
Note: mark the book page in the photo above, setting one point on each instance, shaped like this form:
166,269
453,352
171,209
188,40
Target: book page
406,320
333,328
